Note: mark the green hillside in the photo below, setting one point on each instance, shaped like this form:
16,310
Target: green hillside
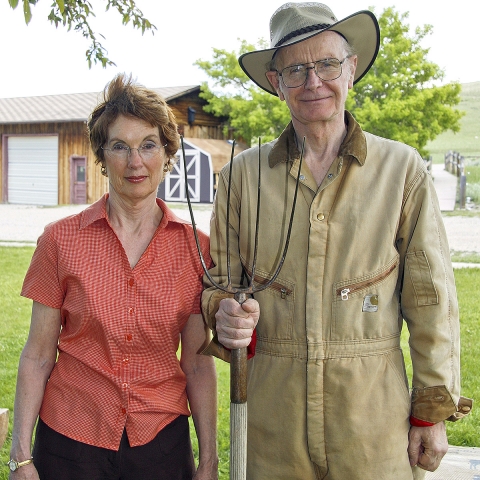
467,140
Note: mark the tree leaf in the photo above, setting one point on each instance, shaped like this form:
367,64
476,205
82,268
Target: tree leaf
61,5
27,13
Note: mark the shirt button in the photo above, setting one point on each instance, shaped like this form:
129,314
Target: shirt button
131,311
124,411
128,337
320,217
131,282
125,386
126,360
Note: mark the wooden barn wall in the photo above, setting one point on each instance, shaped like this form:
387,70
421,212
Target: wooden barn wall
205,125
72,140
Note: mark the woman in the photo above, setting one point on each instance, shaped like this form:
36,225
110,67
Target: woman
114,289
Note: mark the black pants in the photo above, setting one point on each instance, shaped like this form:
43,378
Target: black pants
167,457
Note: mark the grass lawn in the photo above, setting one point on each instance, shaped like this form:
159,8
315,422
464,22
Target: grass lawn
15,321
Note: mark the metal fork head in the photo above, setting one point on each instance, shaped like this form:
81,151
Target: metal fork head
241,293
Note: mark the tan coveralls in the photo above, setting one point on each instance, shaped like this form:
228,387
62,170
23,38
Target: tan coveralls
328,395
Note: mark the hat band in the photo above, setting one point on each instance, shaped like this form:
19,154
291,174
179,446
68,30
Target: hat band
301,31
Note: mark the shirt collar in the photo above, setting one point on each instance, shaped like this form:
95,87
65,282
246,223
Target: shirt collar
98,211
354,144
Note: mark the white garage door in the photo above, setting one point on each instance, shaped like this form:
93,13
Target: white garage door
33,170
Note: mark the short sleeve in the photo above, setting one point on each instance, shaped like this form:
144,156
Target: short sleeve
41,282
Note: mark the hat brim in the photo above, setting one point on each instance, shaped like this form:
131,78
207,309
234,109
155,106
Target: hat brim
360,29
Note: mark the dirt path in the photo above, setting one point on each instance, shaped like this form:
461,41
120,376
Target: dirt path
22,223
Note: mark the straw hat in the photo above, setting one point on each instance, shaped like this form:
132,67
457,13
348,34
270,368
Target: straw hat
294,22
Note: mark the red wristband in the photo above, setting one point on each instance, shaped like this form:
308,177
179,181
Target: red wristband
415,422
251,347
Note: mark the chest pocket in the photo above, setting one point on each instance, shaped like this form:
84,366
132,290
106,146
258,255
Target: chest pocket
366,307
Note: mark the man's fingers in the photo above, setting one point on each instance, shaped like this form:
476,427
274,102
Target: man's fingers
413,455
428,461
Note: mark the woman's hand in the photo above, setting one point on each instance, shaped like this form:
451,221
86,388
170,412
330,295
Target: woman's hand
27,472
207,471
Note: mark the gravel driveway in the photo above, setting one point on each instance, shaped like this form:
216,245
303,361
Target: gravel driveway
22,223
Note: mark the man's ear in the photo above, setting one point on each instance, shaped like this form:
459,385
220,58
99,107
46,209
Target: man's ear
274,80
353,68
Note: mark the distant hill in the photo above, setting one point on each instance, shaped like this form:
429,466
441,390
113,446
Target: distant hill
467,140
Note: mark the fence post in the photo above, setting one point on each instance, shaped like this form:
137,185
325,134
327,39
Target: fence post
463,190
3,425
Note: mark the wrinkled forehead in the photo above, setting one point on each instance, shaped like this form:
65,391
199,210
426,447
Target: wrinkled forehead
327,44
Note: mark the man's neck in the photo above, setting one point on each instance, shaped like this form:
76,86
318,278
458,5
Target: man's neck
322,144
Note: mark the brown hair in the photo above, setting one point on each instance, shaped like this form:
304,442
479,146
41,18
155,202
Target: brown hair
122,96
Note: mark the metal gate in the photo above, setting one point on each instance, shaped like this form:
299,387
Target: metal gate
175,181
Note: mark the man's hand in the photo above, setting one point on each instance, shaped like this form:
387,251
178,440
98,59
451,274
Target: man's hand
427,446
235,323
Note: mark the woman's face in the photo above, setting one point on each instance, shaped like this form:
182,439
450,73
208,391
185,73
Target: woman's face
133,175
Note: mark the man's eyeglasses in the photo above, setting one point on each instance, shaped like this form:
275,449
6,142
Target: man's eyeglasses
121,151
326,70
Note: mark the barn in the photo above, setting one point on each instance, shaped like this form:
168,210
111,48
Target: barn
46,159
204,159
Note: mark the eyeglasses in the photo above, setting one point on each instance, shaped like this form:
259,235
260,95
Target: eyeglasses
326,70
146,151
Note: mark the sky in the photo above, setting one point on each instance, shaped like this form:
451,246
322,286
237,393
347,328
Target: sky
39,59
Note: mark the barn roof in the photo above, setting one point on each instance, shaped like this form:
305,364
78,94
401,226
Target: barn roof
75,107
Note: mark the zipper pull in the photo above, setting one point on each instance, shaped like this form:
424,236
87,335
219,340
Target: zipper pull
283,292
344,293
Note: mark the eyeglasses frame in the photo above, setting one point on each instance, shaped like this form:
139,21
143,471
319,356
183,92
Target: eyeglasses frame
129,150
280,73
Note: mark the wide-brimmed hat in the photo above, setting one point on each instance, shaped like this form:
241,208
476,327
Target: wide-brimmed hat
294,22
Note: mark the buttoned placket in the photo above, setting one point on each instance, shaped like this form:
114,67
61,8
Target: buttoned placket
320,209
129,337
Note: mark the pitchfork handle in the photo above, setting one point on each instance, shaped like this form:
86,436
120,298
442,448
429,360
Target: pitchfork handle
238,409
238,367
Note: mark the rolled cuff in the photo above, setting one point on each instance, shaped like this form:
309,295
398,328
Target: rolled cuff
210,304
436,404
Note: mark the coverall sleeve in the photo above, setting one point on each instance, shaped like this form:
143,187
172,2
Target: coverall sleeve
429,303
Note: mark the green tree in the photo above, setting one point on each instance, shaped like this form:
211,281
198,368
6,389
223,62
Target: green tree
397,99
77,13
251,111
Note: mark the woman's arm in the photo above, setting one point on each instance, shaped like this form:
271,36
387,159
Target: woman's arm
36,362
202,395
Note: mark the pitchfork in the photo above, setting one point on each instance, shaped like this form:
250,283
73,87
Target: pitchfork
238,361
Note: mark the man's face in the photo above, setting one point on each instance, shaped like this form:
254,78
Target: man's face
315,100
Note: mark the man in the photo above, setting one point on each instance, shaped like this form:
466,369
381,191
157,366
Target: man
328,396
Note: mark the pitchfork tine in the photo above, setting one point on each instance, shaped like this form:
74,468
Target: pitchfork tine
227,233
257,219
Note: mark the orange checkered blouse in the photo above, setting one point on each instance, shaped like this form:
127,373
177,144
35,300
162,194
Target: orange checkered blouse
117,365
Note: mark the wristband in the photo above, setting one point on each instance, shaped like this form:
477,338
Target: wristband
415,422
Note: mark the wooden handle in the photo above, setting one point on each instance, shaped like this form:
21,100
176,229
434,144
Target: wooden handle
238,376
238,367
238,441
238,409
